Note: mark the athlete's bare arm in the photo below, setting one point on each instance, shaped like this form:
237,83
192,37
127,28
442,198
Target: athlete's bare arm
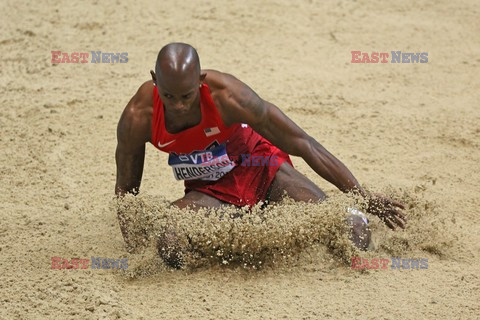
240,104
133,132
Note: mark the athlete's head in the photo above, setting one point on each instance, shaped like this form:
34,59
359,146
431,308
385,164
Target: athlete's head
177,77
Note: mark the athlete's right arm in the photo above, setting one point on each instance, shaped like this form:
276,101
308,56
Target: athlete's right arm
133,131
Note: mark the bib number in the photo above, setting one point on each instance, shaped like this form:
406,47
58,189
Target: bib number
208,165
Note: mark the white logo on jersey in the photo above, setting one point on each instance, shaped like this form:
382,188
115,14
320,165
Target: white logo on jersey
165,144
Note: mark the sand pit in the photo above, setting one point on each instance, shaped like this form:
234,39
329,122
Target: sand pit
409,130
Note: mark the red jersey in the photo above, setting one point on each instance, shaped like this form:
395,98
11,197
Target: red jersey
206,155
211,128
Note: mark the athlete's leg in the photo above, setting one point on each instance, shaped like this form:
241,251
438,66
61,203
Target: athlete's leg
168,245
298,187
196,200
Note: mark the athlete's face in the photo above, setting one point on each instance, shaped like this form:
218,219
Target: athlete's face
179,94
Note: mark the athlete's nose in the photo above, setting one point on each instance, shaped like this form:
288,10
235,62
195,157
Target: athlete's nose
179,106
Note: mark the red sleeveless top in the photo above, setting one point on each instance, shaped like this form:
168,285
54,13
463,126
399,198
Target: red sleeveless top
201,155
210,130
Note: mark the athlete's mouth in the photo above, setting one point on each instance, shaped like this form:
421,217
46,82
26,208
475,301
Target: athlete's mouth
177,111
180,112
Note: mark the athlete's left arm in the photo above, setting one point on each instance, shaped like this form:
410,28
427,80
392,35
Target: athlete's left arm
245,106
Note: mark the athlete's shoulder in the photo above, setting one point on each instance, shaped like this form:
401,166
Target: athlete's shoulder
228,89
136,117
143,98
232,95
217,80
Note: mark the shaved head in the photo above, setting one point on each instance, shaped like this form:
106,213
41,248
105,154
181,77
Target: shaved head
177,59
178,79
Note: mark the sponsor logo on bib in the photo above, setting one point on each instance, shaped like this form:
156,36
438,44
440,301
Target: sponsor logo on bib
209,165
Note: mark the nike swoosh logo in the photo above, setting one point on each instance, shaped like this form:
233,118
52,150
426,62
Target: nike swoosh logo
165,144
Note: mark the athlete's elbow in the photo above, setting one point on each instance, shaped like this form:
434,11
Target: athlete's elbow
303,147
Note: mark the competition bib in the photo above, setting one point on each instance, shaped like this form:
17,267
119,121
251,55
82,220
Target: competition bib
208,165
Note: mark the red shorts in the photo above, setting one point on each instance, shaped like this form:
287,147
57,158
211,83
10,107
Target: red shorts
247,184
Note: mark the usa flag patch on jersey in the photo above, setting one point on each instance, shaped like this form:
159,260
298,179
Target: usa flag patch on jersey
211,131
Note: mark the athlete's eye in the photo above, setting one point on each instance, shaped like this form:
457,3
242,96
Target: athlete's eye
186,96
168,96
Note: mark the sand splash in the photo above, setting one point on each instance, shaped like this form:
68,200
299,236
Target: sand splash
258,237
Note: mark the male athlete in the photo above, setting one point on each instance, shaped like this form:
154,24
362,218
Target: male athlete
221,138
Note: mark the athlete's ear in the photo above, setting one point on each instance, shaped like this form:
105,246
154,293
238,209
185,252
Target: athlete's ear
154,77
202,77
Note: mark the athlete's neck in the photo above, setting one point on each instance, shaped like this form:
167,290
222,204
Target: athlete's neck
175,124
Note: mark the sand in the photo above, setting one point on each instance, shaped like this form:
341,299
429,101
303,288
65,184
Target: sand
410,130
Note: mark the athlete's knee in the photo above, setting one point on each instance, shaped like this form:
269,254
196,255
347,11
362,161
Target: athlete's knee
195,200
316,194
180,203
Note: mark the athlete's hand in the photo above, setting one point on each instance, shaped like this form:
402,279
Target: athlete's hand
386,209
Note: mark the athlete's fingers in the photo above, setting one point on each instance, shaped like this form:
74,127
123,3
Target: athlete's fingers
389,223
398,204
400,214
397,218
399,221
